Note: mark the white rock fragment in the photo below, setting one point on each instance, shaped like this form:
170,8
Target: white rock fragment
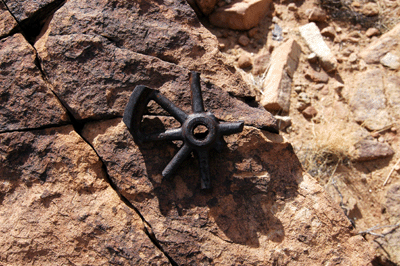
391,61
316,43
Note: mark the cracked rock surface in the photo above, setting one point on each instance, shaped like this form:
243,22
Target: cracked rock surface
76,189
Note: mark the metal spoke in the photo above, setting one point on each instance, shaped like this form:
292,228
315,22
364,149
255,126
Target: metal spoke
204,166
197,99
171,108
231,128
173,165
170,134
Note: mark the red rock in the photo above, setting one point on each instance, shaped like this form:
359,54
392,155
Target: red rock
243,40
7,22
26,100
316,14
309,112
372,32
277,84
188,221
244,61
370,9
206,6
56,203
317,76
240,15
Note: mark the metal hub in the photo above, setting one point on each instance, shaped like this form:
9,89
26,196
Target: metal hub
200,131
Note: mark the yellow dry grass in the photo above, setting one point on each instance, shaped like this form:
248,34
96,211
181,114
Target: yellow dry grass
332,143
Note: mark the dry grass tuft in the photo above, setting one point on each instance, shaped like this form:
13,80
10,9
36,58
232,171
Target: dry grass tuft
332,144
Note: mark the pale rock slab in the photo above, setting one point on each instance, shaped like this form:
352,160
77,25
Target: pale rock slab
240,15
392,85
278,81
316,43
388,42
368,101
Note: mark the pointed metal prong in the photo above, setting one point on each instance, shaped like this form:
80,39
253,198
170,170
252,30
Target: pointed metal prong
231,128
171,108
204,166
173,165
197,98
170,134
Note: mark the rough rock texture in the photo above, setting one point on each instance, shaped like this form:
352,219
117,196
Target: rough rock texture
368,101
26,100
60,205
94,78
316,43
240,15
278,82
7,22
391,241
390,41
368,149
261,210
392,85
56,207
169,31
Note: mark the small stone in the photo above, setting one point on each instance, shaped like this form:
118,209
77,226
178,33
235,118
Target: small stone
375,134
243,40
251,33
221,46
381,139
393,129
370,9
353,58
298,89
391,61
317,87
244,61
317,76
292,7
396,168
356,4
316,14
372,32
303,97
328,32
310,112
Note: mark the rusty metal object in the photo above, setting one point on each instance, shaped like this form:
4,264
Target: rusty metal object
199,131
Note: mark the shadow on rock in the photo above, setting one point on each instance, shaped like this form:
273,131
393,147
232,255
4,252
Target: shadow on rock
251,180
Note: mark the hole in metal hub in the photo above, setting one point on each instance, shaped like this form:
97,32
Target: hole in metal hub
200,132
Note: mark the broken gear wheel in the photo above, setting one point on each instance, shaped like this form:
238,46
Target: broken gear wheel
211,130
